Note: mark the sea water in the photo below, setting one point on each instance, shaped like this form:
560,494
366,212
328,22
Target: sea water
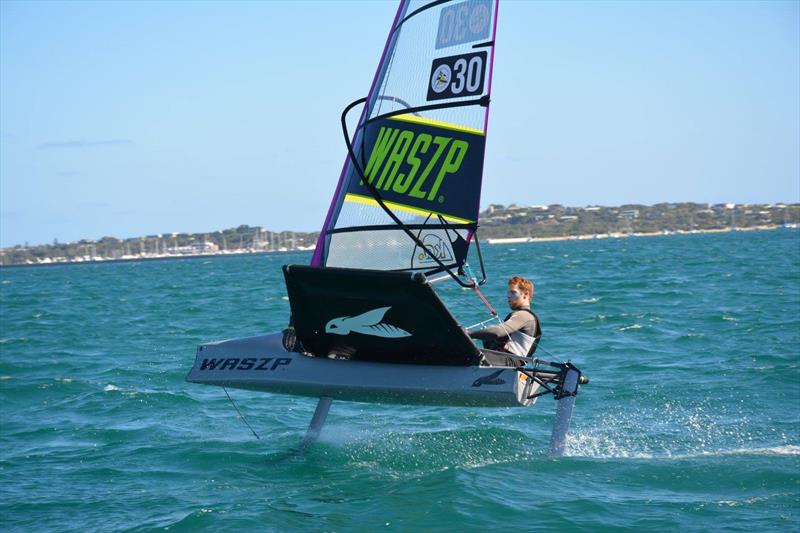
691,419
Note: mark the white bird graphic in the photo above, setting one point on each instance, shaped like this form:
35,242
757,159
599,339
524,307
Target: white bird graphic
368,323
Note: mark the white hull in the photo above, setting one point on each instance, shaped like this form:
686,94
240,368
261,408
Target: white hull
262,364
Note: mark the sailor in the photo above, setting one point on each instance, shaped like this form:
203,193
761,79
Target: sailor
520,331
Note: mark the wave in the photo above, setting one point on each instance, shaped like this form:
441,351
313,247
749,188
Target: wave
592,300
754,499
406,454
785,450
600,447
12,340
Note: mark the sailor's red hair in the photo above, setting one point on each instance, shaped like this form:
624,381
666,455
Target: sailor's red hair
523,284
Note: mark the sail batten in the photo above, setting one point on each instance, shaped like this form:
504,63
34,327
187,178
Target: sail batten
408,196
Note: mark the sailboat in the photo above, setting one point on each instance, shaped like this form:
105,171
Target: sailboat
367,324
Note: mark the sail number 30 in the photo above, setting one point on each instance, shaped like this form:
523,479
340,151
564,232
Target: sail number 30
457,76
467,75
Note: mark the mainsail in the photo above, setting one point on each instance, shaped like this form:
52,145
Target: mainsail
408,195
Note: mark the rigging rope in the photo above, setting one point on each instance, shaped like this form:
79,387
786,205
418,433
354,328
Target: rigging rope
475,288
240,413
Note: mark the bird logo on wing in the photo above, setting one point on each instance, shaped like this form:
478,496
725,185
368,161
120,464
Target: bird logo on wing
368,323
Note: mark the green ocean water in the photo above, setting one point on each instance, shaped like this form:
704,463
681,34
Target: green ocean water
691,421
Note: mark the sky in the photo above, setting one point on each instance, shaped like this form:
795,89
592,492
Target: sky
134,118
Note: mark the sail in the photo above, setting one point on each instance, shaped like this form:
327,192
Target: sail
408,195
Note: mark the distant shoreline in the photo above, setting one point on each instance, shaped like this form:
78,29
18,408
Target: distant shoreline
154,257
491,241
499,224
617,235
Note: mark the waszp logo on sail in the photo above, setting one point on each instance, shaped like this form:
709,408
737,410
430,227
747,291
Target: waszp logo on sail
414,163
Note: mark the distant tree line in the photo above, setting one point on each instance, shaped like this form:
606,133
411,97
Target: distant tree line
242,239
498,221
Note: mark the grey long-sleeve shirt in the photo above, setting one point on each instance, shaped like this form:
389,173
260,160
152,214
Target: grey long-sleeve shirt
496,337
